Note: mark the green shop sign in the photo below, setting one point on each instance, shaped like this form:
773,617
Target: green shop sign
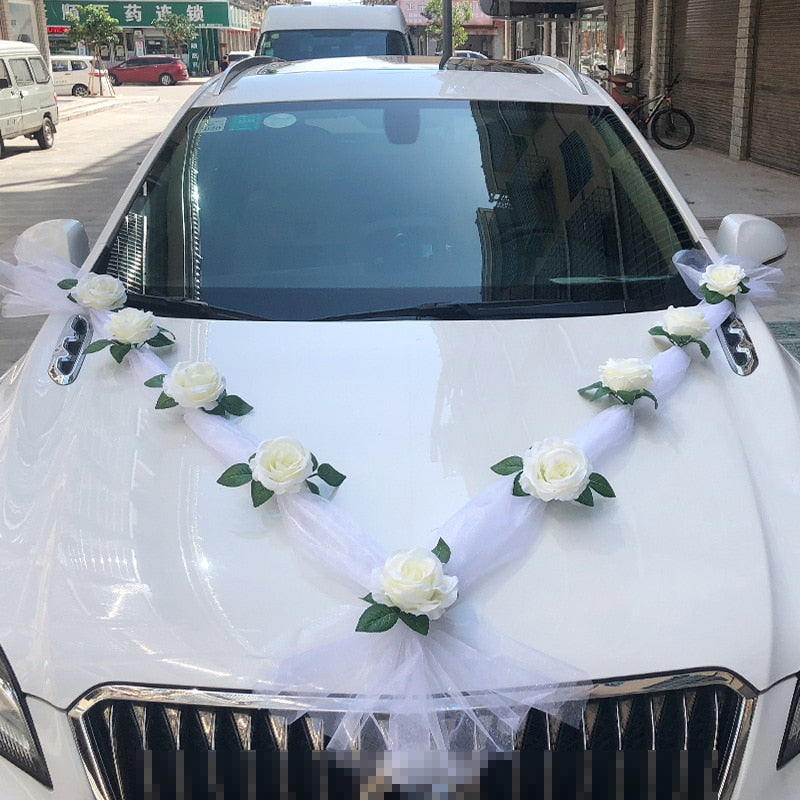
138,15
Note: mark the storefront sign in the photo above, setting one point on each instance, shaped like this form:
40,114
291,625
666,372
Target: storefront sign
135,15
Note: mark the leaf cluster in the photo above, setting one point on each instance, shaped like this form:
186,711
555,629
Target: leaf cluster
597,390
597,483
119,350
93,25
379,617
177,28
681,341
713,298
240,474
227,404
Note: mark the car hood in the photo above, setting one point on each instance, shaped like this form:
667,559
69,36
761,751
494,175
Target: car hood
124,561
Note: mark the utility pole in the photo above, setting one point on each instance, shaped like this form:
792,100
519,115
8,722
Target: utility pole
447,31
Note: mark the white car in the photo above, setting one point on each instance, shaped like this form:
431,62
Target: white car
564,555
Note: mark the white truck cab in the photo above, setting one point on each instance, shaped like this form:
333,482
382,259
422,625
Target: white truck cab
299,32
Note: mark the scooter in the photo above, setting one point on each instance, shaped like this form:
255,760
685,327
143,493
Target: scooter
621,86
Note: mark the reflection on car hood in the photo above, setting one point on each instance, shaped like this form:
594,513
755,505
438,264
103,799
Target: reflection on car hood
124,560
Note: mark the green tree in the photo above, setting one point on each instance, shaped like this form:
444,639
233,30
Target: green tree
178,30
462,13
93,26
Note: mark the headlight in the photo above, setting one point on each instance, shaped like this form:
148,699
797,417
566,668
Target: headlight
18,742
791,738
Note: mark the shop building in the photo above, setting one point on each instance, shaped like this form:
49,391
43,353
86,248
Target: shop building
24,21
222,27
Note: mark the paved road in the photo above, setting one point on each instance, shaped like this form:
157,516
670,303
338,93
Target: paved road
81,177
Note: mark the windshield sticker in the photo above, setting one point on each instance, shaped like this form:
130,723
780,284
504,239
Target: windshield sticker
280,120
245,122
214,125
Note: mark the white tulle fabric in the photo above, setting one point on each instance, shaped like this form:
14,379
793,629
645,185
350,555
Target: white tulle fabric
405,679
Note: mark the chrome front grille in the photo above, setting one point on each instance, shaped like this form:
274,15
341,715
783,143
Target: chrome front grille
683,734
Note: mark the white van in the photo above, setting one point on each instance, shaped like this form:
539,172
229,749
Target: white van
71,74
299,32
28,105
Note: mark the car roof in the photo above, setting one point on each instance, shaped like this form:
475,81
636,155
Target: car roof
260,79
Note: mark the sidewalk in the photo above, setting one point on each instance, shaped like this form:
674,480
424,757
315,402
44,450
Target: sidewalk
715,185
70,107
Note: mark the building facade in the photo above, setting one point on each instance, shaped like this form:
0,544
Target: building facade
737,62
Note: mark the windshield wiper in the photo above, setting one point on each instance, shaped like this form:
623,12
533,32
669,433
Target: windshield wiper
491,309
184,307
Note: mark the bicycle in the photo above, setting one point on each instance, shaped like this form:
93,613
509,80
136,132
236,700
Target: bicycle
670,127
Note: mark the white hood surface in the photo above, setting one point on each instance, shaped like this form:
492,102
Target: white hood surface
124,561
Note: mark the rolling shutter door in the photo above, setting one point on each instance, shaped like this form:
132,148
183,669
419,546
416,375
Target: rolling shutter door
775,121
704,48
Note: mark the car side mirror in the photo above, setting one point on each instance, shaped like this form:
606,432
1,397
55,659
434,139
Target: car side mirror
66,238
753,237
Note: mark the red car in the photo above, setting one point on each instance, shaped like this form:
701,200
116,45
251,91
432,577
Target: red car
165,70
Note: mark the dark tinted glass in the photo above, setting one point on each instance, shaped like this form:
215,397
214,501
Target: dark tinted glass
301,45
302,211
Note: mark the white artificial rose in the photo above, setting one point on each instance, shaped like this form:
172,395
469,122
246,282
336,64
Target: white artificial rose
194,384
554,469
131,326
626,374
724,279
281,465
414,582
685,322
101,292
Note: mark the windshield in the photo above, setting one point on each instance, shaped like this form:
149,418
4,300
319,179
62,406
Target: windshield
303,44
313,210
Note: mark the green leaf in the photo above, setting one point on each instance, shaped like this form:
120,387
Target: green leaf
312,487
518,491
596,390
419,623
600,485
743,288
508,466
259,493
217,411
68,283
330,475
645,393
165,401
585,497
97,346
712,297
442,551
369,598
156,382
161,340
237,475
377,618
658,331
314,462
704,348
234,405
119,351
626,398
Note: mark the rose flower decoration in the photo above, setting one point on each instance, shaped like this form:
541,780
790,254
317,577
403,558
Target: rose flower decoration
131,328
723,282
197,384
624,379
555,469
99,292
280,466
684,326
412,587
